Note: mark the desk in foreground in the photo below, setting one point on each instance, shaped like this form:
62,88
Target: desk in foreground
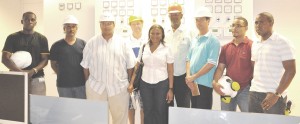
196,116
58,110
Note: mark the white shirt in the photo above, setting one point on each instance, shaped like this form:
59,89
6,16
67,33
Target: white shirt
268,57
136,43
108,62
133,42
179,42
155,64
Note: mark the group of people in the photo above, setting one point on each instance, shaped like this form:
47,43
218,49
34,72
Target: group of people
174,58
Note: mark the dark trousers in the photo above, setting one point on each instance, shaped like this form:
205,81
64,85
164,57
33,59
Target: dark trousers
204,101
182,92
256,98
154,101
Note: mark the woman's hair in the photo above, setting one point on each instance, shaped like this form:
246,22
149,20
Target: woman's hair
158,27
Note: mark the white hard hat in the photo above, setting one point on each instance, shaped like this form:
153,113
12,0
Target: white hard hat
106,17
203,12
71,20
22,59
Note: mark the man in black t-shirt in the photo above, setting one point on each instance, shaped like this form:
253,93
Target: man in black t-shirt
66,55
34,43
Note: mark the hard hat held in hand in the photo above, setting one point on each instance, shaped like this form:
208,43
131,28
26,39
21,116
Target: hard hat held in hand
230,88
22,59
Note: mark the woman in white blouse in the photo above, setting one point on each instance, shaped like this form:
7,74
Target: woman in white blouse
156,87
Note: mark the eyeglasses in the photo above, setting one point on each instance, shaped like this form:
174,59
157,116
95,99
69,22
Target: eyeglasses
236,25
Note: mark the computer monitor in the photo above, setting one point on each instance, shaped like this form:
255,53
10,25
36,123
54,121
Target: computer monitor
13,98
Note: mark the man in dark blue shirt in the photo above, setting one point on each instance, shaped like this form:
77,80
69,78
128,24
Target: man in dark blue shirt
65,56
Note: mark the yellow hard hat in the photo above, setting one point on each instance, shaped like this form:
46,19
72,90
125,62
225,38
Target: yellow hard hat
134,18
174,8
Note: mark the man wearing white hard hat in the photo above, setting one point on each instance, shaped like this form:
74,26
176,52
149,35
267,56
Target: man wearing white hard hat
36,44
202,61
65,56
136,40
179,37
108,61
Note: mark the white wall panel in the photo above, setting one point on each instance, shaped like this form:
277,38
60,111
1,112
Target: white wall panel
10,21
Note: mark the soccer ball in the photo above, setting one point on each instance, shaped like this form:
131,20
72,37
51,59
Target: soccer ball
22,59
230,88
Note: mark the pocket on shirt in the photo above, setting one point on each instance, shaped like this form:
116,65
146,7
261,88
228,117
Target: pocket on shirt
183,46
245,58
243,55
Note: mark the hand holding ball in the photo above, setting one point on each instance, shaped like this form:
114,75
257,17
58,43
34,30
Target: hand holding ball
230,88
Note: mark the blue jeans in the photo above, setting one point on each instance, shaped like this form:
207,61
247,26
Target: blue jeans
72,92
241,100
256,98
154,101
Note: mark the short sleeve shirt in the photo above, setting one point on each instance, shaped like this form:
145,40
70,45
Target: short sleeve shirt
237,60
180,42
268,57
155,64
136,43
204,49
68,58
36,44
108,62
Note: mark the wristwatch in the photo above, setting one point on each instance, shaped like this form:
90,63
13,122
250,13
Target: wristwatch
277,94
35,70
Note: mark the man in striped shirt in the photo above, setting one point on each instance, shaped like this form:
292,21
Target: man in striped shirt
274,68
108,61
